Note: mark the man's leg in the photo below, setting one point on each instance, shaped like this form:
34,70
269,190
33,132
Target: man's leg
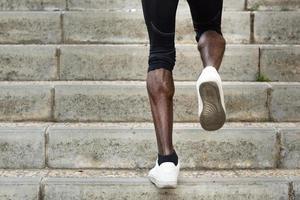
207,17
160,20
211,46
160,87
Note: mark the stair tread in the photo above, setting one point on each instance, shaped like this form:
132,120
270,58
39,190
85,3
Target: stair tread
134,82
121,125
275,186
129,173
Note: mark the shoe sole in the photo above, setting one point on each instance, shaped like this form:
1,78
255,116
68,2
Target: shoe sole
163,184
213,115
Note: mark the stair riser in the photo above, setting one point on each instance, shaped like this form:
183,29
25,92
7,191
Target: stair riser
129,103
113,62
281,99
206,190
22,147
273,5
135,4
115,148
82,27
25,188
30,27
108,27
266,27
12,5
226,149
76,101
26,102
28,62
130,62
273,58
141,188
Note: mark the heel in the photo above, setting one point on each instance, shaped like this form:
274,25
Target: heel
213,115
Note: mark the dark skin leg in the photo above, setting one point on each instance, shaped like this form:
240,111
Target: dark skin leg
211,46
160,87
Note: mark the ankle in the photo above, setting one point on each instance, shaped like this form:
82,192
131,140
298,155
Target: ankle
211,67
172,157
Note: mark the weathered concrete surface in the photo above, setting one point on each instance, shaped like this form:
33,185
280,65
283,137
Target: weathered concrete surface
92,147
296,187
135,4
285,102
277,27
141,188
19,188
240,63
9,5
92,27
280,63
22,147
236,27
101,102
27,101
27,62
291,148
272,5
27,188
30,27
130,62
211,174
128,101
96,27
103,62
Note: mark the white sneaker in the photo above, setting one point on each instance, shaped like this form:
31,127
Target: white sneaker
164,175
212,112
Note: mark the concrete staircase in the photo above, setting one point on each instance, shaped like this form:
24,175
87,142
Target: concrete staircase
76,121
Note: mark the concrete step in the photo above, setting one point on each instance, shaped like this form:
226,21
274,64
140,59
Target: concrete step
95,184
35,5
133,146
32,5
95,27
273,5
127,101
245,101
41,27
84,27
237,5
30,27
130,62
268,27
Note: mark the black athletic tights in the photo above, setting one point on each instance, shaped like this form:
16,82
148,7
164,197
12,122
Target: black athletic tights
160,17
